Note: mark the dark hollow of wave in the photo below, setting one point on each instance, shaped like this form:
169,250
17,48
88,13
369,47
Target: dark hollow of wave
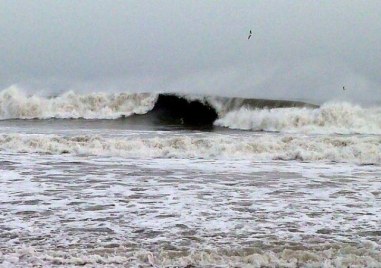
172,109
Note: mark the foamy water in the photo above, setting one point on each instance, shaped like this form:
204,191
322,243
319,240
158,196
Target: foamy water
162,212
355,149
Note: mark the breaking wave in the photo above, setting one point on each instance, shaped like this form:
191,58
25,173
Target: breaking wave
235,113
342,118
356,149
15,104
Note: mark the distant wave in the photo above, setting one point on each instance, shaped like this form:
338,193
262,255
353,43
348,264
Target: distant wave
258,147
235,113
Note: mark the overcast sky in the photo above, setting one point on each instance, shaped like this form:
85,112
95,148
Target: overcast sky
301,49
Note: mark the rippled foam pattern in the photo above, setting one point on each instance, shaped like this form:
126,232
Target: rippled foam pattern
301,188
181,212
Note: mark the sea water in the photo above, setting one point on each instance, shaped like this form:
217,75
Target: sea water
281,187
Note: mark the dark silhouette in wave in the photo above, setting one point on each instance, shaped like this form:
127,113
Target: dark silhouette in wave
175,109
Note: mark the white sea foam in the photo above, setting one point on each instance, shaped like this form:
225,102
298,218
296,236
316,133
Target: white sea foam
16,104
115,212
357,149
328,258
339,117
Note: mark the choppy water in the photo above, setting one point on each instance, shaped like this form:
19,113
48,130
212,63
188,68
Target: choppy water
107,210
78,210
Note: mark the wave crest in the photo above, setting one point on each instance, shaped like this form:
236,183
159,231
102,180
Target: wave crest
15,104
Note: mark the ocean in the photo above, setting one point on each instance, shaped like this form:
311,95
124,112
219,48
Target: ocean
169,180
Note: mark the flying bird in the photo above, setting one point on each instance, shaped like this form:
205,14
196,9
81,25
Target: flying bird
344,88
250,33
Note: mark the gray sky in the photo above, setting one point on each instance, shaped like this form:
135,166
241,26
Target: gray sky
299,50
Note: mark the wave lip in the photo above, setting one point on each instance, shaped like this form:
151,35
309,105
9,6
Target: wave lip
225,105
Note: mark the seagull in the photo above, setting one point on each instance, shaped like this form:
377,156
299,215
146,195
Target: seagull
343,88
249,35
